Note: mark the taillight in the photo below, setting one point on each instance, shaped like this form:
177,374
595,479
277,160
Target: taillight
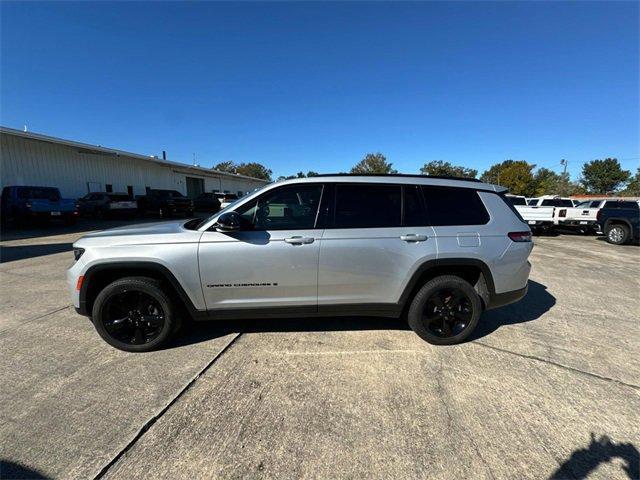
563,212
520,236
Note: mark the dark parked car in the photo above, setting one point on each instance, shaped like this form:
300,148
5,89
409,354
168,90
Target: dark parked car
207,202
165,203
103,204
24,203
620,222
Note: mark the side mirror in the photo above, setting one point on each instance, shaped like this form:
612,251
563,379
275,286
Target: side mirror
228,222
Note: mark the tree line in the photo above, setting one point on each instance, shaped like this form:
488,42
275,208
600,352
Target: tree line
600,176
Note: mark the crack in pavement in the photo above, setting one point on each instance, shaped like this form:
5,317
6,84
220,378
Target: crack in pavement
149,423
33,319
560,365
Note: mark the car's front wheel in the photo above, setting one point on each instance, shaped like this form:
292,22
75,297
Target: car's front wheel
617,234
445,311
134,314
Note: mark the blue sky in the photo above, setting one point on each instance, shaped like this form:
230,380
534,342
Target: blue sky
315,86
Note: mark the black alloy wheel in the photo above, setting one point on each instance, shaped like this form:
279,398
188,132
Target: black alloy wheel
447,312
133,317
134,314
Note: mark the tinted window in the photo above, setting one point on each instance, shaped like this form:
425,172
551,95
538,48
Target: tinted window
556,202
413,210
286,208
367,206
454,206
115,197
39,193
516,200
623,204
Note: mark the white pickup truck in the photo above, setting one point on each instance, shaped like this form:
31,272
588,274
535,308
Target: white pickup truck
584,216
540,213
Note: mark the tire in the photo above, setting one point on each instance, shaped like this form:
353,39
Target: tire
463,317
134,332
617,233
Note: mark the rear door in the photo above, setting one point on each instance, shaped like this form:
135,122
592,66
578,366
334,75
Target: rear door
376,235
273,260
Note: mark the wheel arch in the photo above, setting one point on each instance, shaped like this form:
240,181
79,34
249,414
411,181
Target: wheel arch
475,271
618,221
99,276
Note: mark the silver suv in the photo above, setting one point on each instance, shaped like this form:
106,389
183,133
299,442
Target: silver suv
437,251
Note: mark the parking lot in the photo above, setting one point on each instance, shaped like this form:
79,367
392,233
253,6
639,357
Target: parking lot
548,387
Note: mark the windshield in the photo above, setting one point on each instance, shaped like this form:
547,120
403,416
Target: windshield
39,193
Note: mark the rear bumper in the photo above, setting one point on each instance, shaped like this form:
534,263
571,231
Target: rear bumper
502,299
578,223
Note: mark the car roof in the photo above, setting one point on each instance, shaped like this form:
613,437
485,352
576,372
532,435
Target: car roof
400,179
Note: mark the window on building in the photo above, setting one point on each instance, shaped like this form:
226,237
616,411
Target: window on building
108,188
367,206
454,206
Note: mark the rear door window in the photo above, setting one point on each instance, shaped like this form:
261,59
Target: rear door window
448,206
365,205
413,212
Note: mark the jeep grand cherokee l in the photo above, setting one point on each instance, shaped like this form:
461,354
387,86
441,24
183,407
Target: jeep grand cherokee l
437,251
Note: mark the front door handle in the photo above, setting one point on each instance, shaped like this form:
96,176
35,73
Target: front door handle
412,237
299,240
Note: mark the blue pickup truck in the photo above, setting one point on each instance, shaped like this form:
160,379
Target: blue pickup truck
21,204
620,223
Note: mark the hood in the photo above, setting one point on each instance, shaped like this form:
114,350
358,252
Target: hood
156,228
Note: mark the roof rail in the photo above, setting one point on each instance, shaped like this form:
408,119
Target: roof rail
409,175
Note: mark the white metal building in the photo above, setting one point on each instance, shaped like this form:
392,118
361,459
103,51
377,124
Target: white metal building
77,168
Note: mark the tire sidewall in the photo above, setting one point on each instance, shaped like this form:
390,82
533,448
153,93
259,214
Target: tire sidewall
124,285
414,314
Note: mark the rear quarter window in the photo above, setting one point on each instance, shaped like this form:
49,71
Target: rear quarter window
449,206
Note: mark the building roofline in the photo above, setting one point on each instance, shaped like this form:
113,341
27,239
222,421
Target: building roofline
120,153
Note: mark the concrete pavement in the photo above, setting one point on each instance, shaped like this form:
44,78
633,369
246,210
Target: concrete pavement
338,398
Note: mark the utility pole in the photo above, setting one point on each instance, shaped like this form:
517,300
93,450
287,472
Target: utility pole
565,180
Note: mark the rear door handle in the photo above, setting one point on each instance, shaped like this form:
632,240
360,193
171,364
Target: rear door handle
299,240
412,237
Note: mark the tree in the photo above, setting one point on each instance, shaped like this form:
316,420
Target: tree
514,174
604,176
373,163
547,182
633,187
253,169
227,166
310,173
441,168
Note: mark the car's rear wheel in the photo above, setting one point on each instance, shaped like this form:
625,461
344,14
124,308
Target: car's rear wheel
134,314
617,234
445,311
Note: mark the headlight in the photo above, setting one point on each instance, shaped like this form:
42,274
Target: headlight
77,253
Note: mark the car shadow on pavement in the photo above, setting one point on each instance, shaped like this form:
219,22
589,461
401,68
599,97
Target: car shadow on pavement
196,332
536,303
584,461
15,470
12,253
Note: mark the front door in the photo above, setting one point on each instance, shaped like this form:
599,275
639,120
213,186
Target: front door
273,260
